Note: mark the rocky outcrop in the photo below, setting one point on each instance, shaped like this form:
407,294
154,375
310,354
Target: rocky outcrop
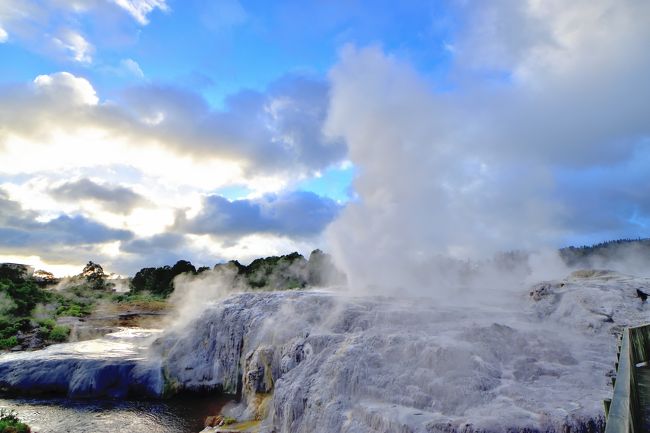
113,366
321,362
310,361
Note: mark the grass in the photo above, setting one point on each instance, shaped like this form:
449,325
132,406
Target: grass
140,301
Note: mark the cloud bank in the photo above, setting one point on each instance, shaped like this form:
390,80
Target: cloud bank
276,133
63,148
21,229
115,198
530,131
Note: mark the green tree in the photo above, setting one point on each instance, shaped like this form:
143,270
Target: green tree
160,281
94,275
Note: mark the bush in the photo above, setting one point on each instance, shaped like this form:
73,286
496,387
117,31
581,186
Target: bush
74,310
74,304
10,327
46,323
10,423
59,333
8,343
25,295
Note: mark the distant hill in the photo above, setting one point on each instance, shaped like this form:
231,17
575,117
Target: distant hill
631,253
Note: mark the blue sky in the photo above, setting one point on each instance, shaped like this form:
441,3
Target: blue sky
223,46
169,129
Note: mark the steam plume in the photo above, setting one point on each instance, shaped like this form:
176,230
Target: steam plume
489,164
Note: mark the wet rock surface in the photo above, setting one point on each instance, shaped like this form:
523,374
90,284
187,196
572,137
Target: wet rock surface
113,366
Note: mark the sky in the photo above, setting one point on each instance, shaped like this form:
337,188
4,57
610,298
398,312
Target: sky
139,132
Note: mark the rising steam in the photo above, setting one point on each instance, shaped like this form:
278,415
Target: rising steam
500,155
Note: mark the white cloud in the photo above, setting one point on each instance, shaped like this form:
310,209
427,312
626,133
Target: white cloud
67,87
139,9
75,45
56,28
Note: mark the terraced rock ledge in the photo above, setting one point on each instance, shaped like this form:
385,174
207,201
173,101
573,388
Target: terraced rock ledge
315,361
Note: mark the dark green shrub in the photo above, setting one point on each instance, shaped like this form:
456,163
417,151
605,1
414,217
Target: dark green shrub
8,343
46,323
11,327
59,333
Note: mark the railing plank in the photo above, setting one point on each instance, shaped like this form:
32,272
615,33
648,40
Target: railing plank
629,409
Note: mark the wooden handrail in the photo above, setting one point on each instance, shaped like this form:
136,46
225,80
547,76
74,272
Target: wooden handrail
623,412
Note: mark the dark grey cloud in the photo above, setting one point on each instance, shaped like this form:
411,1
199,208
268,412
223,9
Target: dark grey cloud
21,231
297,214
164,242
115,198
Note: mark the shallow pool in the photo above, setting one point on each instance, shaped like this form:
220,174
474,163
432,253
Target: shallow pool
181,415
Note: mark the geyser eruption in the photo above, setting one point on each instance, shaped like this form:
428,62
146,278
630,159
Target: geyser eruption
543,107
430,195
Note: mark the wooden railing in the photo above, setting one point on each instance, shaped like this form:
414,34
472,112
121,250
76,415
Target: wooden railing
625,411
